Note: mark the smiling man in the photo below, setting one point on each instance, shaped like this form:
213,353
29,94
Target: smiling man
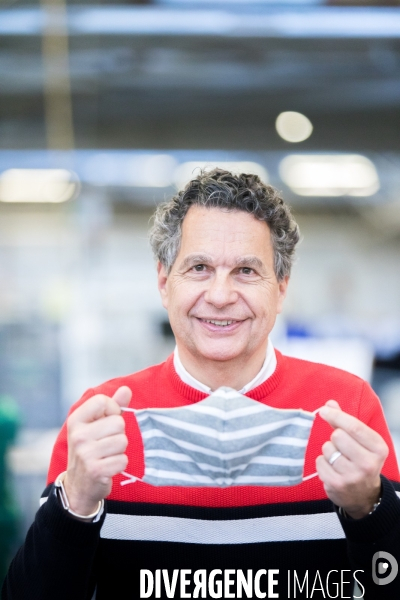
151,492
222,295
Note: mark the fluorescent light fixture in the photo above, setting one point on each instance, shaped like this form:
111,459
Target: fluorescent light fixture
244,2
217,19
149,20
130,169
329,175
38,185
293,126
190,170
150,170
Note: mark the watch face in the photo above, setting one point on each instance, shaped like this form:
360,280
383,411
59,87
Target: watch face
375,506
60,492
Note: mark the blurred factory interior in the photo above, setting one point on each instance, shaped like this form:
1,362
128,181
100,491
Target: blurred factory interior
105,109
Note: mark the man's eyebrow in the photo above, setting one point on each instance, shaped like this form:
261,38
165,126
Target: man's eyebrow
250,261
241,261
195,259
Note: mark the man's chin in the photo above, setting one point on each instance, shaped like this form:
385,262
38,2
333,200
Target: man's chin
219,354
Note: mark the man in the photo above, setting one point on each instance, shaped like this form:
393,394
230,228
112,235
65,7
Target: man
224,247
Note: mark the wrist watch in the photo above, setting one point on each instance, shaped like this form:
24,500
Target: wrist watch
343,513
62,496
375,506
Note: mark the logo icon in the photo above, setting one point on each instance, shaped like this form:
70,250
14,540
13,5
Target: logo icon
384,568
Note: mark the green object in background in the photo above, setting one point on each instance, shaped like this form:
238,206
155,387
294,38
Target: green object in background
9,423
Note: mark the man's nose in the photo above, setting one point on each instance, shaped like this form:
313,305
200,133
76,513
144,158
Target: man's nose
221,290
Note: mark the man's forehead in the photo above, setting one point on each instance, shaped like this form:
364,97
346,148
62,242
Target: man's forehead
211,213
222,221
213,235
226,225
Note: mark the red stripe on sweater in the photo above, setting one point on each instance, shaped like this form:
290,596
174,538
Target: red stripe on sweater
294,384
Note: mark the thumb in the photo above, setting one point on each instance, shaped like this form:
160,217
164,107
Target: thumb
331,404
123,396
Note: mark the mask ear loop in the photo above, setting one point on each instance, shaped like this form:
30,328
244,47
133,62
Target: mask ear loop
314,412
130,478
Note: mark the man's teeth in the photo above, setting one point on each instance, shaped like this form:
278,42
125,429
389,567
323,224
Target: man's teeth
220,323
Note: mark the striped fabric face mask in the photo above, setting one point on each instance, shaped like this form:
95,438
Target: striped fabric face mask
224,440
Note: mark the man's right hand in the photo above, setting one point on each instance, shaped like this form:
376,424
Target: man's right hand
96,450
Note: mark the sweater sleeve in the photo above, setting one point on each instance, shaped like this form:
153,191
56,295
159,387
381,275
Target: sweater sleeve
58,557
379,531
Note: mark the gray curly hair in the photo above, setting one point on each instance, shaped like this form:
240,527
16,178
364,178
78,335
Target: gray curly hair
222,189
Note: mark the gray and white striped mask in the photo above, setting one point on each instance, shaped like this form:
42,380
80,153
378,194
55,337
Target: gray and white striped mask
224,440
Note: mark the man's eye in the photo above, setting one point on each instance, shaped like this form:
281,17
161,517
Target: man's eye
247,271
199,268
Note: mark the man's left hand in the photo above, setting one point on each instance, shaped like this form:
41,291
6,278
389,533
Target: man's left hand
353,480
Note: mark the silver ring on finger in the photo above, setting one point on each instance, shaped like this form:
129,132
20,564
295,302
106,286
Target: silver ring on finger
334,457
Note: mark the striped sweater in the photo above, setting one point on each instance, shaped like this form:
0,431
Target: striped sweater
206,542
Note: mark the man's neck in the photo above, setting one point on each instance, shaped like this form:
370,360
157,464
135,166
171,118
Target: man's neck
212,374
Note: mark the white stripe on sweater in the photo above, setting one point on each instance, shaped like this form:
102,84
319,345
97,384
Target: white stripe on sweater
323,526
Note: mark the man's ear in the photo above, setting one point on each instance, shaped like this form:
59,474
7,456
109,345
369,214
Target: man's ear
162,284
282,289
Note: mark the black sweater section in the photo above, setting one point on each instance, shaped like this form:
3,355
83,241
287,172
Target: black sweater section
65,559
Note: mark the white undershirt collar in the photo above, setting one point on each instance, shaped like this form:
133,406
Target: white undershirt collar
266,371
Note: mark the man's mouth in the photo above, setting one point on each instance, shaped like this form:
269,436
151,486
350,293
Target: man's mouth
219,323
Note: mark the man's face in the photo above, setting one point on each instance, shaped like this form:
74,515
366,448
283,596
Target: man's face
222,294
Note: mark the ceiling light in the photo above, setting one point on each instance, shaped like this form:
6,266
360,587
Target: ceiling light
150,170
129,169
38,185
293,126
330,175
190,170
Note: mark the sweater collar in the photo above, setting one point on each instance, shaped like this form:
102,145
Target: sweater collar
265,372
258,393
